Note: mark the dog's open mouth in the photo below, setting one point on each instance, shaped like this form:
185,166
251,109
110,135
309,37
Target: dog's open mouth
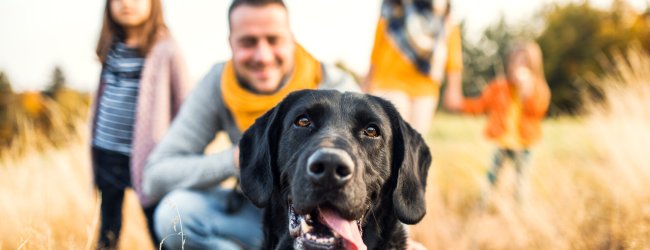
324,229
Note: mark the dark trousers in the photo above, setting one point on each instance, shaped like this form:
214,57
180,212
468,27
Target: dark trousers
519,158
112,177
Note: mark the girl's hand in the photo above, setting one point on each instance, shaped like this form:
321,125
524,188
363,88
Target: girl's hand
524,81
235,153
453,95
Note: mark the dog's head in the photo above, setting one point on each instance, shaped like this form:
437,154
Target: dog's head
331,157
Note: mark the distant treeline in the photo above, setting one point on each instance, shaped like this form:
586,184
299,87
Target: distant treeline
33,119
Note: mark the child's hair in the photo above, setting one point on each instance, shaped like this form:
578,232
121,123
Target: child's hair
533,58
153,29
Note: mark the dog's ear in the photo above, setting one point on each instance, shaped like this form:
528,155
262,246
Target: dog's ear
257,154
411,162
258,150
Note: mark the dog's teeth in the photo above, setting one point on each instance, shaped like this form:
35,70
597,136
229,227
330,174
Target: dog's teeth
294,226
304,226
295,231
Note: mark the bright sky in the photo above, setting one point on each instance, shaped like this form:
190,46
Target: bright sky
36,35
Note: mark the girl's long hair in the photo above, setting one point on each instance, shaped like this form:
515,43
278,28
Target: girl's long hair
154,29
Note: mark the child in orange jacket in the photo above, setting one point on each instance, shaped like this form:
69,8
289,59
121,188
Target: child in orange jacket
515,105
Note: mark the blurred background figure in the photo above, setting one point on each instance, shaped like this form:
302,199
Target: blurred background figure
415,45
142,84
515,104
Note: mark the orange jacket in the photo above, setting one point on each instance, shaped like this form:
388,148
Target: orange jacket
495,101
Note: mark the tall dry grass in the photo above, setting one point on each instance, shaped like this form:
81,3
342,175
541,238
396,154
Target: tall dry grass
587,185
47,200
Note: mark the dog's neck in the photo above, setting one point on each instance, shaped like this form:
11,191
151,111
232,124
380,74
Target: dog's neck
388,232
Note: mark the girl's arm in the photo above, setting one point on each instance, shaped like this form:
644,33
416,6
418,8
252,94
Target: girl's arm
454,99
453,93
536,104
179,78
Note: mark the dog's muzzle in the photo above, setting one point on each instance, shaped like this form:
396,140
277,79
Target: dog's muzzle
324,229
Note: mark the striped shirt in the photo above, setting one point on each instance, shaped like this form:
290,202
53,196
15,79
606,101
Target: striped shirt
117,105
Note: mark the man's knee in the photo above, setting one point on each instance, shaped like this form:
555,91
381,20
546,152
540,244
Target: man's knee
177,217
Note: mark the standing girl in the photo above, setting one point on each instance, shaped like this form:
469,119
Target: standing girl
416,45
142,84
515,105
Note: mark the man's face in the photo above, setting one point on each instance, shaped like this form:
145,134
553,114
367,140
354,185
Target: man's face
262,45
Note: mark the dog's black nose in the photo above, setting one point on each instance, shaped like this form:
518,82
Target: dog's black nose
330,167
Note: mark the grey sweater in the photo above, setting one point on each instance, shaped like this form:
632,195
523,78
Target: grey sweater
179,162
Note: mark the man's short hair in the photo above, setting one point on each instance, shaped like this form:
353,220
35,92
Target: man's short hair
256,3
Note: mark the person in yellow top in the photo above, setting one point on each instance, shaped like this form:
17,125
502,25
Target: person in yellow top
515,105
415,45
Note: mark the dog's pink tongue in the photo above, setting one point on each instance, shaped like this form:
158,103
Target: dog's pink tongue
346,228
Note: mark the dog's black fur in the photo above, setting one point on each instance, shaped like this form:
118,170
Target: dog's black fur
388,178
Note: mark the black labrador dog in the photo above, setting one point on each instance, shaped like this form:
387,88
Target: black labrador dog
334,171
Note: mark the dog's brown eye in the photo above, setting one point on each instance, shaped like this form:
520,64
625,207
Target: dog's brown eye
371,131
302,121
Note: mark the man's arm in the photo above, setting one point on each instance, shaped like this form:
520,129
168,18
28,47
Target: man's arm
179,161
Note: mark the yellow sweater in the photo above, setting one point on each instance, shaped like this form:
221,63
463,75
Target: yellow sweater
391,70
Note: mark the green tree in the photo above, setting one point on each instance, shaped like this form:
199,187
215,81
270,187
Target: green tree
483,59
5,85
6,119
57,83
577,42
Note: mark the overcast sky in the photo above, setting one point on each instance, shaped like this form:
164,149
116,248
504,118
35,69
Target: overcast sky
36,35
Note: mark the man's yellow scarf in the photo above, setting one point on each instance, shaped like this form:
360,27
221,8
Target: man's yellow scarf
246,106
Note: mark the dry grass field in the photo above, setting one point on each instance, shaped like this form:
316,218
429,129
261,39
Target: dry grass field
587,187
